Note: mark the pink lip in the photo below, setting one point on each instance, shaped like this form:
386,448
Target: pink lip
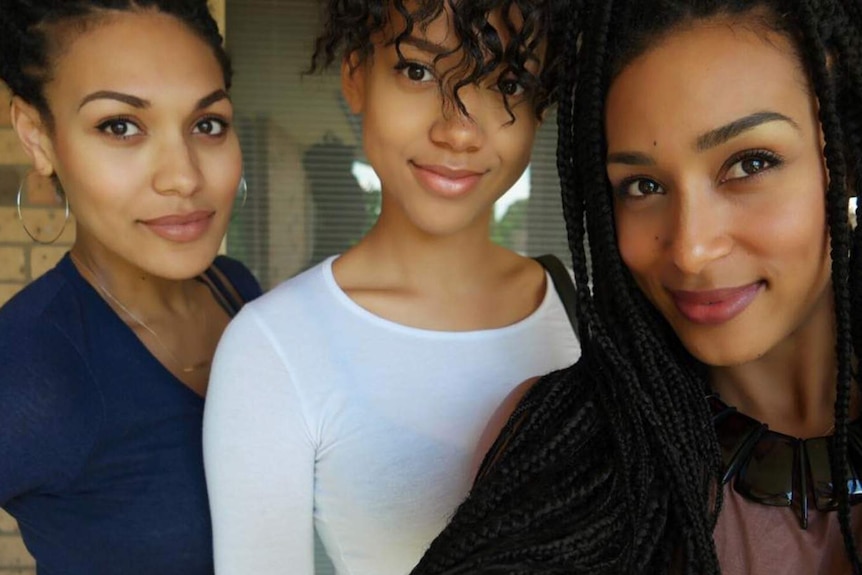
715,306
181,227
446,181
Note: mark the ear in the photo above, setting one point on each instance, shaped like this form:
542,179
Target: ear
33,133
353,82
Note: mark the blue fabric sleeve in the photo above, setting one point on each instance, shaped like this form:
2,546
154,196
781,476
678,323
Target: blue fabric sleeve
51,409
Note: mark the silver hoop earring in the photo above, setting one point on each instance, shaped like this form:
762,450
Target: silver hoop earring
24,224
242,191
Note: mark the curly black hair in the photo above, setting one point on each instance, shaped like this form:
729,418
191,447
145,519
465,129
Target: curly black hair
612,466
30,38
350,27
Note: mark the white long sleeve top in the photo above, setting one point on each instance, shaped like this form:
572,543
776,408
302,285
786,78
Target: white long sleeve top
320,414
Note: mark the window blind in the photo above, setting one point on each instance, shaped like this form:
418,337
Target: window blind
311,193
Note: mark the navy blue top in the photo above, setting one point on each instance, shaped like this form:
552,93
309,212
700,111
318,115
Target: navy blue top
100,445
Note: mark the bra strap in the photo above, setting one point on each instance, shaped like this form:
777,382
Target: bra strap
563,285
222,289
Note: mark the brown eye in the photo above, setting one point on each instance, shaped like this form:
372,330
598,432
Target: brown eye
210,127
416,72
119,128
510,87
646,188
639,188
753,163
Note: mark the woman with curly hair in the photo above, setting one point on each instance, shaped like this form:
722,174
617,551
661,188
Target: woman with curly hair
351,399
707,151
104,360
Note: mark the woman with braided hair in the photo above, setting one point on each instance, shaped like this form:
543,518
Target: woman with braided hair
707,151
104,359
350,399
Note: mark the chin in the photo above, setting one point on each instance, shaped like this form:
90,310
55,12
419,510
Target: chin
183,266
715,353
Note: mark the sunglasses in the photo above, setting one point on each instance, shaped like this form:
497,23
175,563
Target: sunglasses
776,469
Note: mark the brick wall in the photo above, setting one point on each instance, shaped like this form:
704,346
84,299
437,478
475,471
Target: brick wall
13,556
15,271
22,261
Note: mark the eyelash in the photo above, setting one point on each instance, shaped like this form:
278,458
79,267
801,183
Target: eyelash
215,120
520,89
403,65
771,158
620,189
105,126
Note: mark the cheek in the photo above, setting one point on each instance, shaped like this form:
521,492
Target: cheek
222,168
793,224
636,241
386,127
795,231
516,140
93,185
101,173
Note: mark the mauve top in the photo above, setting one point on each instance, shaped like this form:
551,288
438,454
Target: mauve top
756,539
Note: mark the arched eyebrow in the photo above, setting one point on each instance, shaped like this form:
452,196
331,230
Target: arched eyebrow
710,139
132,101
729,131
140,103
211,99
426,46
630,159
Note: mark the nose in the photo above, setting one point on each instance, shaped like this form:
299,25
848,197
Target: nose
699,232
456,130
177,171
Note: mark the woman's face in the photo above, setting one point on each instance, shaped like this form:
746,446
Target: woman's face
441,171
142,143
714,156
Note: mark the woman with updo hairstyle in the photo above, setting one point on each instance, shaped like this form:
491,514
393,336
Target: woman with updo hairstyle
105,358
707,152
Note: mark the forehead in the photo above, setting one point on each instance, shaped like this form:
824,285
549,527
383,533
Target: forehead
704,76
438,26
143,53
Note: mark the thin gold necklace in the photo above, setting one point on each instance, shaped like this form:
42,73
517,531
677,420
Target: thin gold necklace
102,289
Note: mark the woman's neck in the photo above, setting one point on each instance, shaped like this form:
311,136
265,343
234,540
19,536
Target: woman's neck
178,321
413,257
143,293
793,387
455,282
